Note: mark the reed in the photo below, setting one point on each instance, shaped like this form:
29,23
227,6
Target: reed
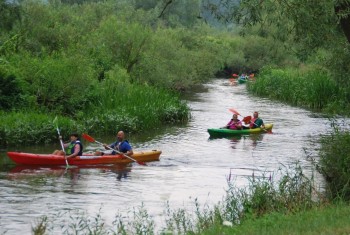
286,192
312,88
133,108
130,108
22,128
334,163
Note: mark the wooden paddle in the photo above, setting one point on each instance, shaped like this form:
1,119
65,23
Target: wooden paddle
92,140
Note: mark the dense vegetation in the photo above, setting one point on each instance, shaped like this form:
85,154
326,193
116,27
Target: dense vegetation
100,66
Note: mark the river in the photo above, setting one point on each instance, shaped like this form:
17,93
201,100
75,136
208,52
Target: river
192,166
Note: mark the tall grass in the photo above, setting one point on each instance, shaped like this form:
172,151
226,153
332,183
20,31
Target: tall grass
133,108
23,128
128,108
288,191
311,88
334,163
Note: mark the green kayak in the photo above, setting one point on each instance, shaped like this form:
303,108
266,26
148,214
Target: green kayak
223,132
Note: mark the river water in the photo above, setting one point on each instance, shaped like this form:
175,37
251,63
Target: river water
192,166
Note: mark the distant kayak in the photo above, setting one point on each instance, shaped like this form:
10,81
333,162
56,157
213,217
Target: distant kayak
223,132
88,159
241,80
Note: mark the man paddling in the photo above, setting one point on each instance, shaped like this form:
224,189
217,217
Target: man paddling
256,121
121,145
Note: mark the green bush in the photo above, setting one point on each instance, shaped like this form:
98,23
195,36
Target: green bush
10,91
334,163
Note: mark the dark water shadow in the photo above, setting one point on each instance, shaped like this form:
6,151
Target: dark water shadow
74,172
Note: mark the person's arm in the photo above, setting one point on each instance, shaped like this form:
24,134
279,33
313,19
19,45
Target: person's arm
129,152
76,151
108,147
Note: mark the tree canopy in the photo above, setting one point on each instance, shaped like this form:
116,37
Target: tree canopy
312,23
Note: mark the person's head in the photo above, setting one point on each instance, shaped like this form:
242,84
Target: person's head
256,114
74,136
120,135
234,117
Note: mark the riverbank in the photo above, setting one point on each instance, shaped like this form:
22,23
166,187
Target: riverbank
328,219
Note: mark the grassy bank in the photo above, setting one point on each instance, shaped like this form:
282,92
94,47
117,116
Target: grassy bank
281,194
140,109
328,219
311,87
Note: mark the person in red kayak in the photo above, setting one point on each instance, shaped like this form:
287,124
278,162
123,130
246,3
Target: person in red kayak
121,145
234,123
256,121
74,147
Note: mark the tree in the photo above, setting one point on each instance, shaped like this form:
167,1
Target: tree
9,13
312,23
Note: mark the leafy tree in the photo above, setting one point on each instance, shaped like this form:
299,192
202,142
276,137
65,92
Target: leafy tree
174,12
311,23
9,13
10,91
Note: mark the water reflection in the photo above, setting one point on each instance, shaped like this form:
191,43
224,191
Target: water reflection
252,139
73,172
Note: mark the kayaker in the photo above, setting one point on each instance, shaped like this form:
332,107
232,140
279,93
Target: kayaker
74,147
256,121
234,123
121,145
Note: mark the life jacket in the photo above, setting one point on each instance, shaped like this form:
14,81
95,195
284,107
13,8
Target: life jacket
71,147
252,125
120,146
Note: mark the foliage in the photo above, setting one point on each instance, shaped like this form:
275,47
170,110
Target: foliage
24,128
311,25
311,88
9,13
174,13
262,198
334,163
10,91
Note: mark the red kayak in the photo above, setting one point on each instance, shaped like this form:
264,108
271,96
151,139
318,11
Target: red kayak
88,159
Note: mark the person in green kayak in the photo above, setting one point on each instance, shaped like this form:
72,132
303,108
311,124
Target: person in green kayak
74,147
234,123
256,121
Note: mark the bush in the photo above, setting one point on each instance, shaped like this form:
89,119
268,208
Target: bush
334,163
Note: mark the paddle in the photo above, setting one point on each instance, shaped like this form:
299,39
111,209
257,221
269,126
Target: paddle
92,140
62,145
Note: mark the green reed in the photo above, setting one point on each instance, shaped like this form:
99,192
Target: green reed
120,105
312,88
130,108
334,162
22,128
288,191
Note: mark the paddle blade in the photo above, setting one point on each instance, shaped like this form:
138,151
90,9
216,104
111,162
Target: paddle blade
88,138
234,111
247,119
142,163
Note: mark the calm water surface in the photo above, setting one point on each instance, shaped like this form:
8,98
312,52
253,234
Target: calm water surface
192,166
